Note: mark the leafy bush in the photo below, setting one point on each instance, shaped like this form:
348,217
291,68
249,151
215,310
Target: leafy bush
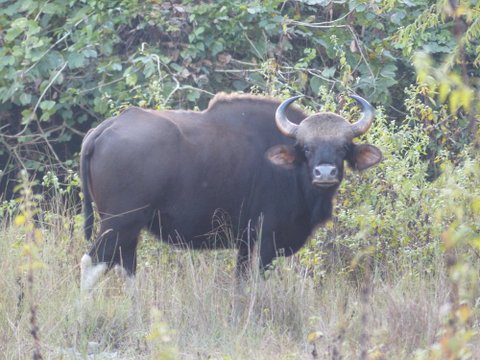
65,66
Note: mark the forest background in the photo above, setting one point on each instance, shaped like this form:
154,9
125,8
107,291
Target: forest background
412,223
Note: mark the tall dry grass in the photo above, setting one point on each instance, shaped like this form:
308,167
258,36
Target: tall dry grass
191,308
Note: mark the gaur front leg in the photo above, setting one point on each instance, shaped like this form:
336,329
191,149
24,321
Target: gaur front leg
268,252
244,261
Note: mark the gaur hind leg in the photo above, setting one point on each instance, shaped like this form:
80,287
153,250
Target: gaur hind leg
116,246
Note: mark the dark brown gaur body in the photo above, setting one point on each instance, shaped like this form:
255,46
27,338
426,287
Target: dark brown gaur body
247,170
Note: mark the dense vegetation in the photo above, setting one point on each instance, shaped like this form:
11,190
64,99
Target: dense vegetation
394,275
65,66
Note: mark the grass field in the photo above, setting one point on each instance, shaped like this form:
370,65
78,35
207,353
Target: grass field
189,307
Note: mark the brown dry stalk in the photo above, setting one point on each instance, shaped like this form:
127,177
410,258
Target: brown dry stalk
34,329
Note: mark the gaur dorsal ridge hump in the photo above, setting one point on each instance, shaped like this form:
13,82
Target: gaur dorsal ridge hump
223,98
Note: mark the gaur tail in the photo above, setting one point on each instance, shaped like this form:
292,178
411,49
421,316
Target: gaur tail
87,197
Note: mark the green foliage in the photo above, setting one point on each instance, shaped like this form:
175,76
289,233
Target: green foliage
65,66
398,221
407,213
461,242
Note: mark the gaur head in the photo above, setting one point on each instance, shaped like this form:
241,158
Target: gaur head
323,142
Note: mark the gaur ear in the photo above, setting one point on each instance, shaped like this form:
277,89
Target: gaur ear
364,156
282,155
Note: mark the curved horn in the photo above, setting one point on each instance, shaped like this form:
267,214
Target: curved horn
285,126
362,125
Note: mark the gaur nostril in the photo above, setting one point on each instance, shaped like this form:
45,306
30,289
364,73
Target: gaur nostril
325,172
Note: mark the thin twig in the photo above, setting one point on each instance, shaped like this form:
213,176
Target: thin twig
48,86
357,42
75,131
100,86
320,24
253,46
243,62
236,70
177,87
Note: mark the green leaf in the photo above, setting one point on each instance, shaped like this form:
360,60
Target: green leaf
12,33
27,116
397,17
200,30
100,105
25,99
329,72
240,85
131,79
388,71
6,61
315,84
90,53
52,9
47,105
116,67
75,60
193,95
216,48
